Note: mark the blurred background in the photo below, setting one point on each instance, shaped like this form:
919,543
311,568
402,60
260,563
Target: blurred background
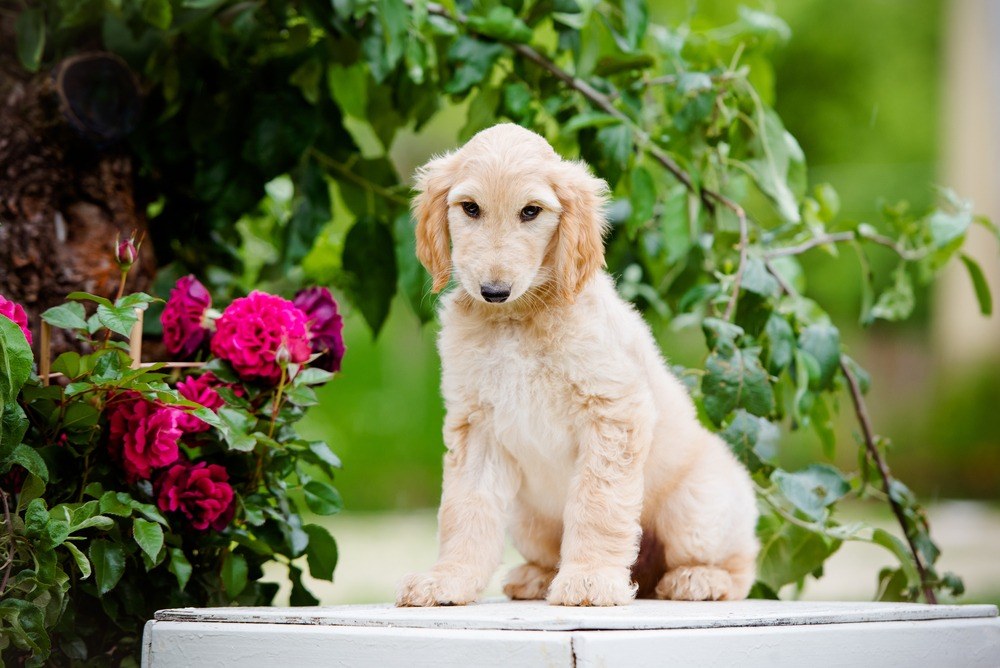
888,98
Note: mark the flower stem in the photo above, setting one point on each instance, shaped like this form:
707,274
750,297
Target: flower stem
275,409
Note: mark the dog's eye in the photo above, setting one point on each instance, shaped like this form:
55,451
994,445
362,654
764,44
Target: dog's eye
530,213
471,209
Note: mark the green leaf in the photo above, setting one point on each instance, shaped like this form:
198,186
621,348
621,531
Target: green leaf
780,161
897,302
234,574
312,211
109,564
136,300
88,297
780,342
394,17
118,319
15,360
313,376
70,315
299,594
148,536
757,279
179,566
322,499
616,144
721,335
116,503
413,278
30,31
157,13
737,380
788,553
69,363
642,195
80,558
302,395
752,439
321,554
636,19
26,456
80,416
500,23
474,59
822,342
589,119
370,263
980,284
236,425
901,551
13,426
324,453
812,489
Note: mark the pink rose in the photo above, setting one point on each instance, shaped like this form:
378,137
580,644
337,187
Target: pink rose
257,331
201,389
15,312
183,317
142,435
326,327
200,491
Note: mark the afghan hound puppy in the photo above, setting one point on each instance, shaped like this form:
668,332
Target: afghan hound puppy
564,425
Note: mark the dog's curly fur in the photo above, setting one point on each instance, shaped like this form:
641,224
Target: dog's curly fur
563,423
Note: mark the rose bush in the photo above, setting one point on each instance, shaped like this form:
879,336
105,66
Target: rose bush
134,489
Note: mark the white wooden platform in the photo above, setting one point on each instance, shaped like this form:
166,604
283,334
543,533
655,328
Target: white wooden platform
646,633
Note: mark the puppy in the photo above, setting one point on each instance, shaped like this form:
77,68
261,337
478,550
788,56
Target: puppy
563,424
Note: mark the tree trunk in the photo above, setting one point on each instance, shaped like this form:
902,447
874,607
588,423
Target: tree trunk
65,194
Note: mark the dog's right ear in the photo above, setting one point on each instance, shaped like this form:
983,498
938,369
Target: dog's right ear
430,208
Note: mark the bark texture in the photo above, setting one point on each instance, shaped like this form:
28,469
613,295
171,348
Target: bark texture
64,197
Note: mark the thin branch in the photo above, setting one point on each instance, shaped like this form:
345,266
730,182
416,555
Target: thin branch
861,410
346,173
840,237
821,240
785,285
669,79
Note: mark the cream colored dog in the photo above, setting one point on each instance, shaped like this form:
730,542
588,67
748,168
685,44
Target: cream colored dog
563,423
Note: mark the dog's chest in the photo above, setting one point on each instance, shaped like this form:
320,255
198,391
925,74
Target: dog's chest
524,386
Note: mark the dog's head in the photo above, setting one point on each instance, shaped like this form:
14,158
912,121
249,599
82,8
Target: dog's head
507,215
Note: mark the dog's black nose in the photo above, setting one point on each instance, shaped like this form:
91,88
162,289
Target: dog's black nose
495,292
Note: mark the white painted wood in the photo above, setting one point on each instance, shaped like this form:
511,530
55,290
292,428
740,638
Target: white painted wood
196,644
537,615
969,643
646,633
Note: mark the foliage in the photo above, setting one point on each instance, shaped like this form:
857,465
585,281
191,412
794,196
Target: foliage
92,546
281,114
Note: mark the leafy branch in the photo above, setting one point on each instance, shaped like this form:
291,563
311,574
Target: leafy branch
888,482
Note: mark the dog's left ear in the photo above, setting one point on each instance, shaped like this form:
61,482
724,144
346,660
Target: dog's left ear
430,208
579,250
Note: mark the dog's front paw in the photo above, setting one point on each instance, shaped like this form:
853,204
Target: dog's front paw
696,583
436,588
592,586
528,582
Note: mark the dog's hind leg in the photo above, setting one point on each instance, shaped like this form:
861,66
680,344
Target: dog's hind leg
537,539
706,525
